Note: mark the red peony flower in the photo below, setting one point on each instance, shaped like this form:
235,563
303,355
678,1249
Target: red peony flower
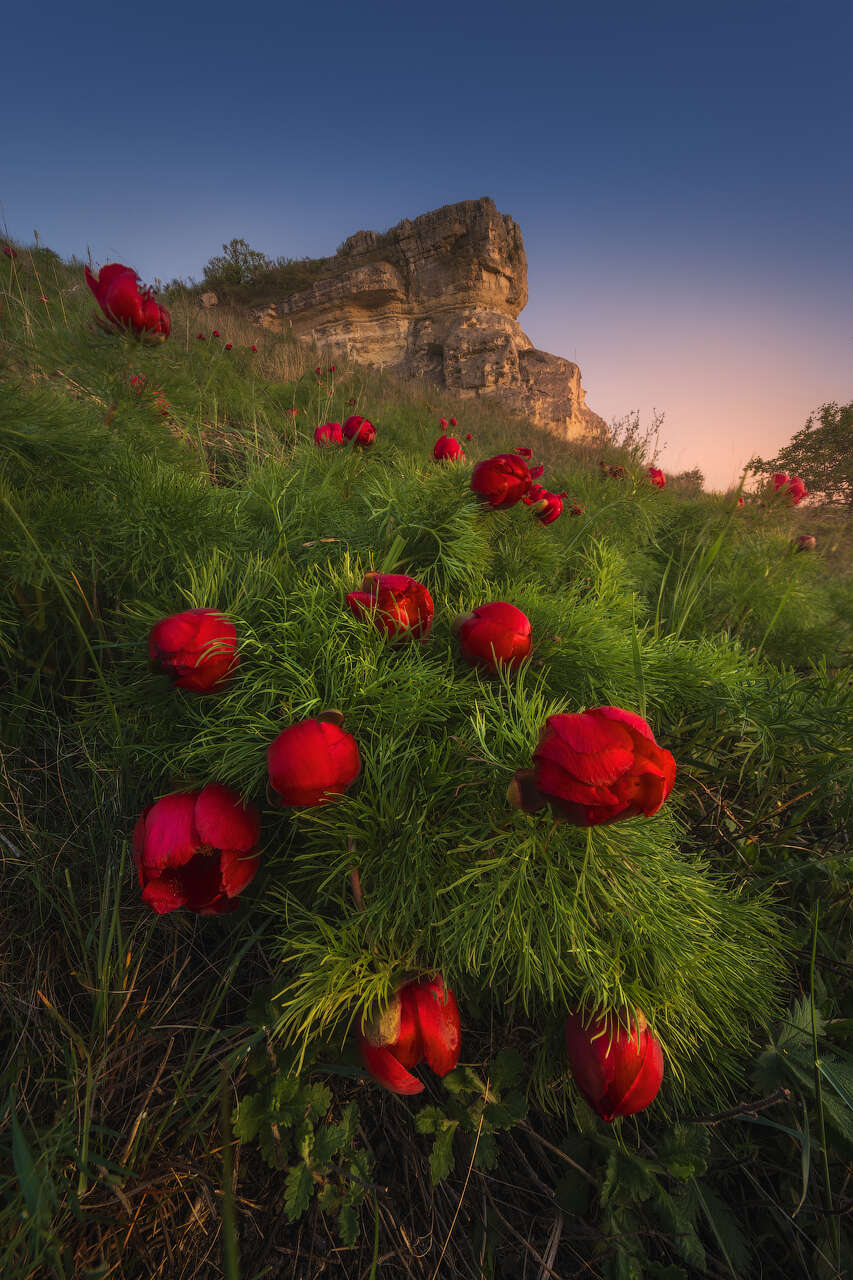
536,472
547,507
792,487
399,606
201,336
332,368
421,1022
312,763
227,346
740,501
469,436
617,472
596,767
448,449
318,371
9,251
619,1071
196,849
197,649
215,333
501,481
359,430
117,292
524,453
453,422
329,433
255,349
806,542
576,510
657,477
494,634
442,422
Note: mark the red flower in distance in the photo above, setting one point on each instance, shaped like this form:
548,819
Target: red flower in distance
332,368
657,477
329,433
359,430
400,606
524,453
595,767
255,349
197,649
421,1023
442,422
806,542
617,472
312,763
619,1071
740,501
501,481
318,371
9,251
227,346
215,333
469,436
196,849
792,487
494,634
117,293
575,510
453,422
448,449
201,336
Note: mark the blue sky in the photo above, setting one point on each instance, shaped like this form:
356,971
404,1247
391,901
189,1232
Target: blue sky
682,173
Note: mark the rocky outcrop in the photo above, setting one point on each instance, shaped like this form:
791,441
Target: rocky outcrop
438,297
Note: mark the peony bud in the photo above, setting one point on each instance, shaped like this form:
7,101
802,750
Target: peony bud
197,649
313,762
422,1023
619,1071
400,606
494,634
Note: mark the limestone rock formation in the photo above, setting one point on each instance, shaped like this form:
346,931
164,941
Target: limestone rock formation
438,297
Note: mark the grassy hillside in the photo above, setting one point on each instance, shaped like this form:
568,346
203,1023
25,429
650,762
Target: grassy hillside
182,1095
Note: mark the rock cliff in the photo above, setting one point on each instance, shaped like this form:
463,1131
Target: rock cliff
438,297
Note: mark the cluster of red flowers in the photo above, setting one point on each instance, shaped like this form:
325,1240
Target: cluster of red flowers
506,479
657,477
199,849
125,305
356,429
792,487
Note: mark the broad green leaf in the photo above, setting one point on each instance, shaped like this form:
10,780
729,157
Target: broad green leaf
298,1190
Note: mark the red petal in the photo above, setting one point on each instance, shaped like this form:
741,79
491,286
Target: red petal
170,835
164,894
386,1070
438,1018
647,1082
223,822
237,870
635,722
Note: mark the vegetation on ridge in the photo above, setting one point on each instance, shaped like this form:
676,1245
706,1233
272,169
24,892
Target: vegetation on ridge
159,1067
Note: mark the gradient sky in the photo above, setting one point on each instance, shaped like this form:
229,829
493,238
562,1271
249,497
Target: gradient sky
682,172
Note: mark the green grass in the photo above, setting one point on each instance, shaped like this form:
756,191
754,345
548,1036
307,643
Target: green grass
131,1038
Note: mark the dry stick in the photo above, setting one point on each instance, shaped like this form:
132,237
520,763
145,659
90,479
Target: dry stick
547,1270
744,1108
464,1186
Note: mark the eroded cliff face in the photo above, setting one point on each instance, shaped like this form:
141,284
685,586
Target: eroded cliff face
438,297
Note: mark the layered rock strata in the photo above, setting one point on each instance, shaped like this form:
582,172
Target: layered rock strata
438,297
